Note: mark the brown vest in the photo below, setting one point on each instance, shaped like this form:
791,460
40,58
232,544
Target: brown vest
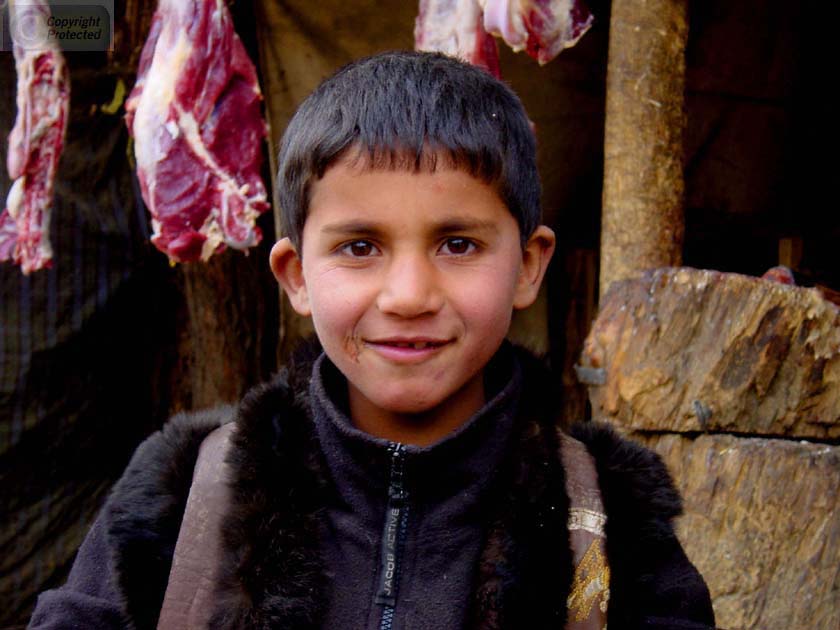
188,602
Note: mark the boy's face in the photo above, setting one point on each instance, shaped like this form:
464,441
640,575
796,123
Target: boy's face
411,279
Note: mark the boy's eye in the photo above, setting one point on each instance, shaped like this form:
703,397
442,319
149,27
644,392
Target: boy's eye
359,249
458,246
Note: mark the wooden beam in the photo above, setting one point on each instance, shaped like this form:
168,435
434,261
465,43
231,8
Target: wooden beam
642,217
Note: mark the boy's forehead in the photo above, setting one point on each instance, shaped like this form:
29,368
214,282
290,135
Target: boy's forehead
359,162
353,172
357,197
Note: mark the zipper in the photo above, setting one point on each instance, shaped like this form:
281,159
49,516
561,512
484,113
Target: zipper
393,537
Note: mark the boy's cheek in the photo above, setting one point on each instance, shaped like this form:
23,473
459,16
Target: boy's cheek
493,291
337,306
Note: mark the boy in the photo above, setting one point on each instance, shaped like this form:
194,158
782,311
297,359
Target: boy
411,475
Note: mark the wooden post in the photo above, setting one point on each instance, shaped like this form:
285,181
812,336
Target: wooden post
226,342
292,66
642,216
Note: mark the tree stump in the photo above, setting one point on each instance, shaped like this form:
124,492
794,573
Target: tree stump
762,524
687,350
735,382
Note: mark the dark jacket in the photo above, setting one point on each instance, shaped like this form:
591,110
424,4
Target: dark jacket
274,573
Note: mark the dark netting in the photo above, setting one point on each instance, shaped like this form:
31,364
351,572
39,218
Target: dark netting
83,345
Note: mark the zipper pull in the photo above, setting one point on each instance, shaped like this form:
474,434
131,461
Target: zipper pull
396,484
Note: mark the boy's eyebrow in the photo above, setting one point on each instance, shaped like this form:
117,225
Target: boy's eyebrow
351,228
466,225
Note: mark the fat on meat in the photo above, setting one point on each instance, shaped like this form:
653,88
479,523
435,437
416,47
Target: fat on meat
195,116
37,138
543,28
456,27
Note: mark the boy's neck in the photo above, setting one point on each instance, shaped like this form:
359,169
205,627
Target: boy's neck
421,429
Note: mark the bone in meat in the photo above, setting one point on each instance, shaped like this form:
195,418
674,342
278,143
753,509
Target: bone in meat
36,141
195,116
542,28
456,27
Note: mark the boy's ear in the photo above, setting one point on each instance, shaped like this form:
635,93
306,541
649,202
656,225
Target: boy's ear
288,269
535,258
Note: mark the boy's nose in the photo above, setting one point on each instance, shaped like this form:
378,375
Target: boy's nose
410,288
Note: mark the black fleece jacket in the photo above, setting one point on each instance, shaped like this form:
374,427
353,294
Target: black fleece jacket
293,530
448,492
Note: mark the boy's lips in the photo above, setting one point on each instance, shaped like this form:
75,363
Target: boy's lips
407,349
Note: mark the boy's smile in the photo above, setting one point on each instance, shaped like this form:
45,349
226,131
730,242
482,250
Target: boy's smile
411,279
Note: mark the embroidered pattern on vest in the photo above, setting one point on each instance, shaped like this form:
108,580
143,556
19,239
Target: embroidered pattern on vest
590,590
590,585
587,520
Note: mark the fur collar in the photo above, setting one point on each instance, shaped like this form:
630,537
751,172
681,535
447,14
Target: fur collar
143,513
273,575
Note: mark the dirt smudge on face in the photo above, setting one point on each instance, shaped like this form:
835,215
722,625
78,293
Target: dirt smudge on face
353,347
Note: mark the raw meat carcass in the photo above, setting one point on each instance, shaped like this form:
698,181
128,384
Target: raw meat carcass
540,27
780,274
456,27
195,116
36,141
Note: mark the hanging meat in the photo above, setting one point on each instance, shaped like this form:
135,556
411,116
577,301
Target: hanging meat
36,140
195,117
542,28
464,28
456,27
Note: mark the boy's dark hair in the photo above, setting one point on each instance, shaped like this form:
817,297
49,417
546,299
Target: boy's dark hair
409,110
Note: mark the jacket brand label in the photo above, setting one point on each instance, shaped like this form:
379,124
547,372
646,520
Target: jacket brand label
386,593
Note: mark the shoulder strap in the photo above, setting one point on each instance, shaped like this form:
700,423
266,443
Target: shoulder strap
589,595
187,603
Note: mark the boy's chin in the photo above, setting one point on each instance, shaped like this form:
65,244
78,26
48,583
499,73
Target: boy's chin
418,406
423,407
